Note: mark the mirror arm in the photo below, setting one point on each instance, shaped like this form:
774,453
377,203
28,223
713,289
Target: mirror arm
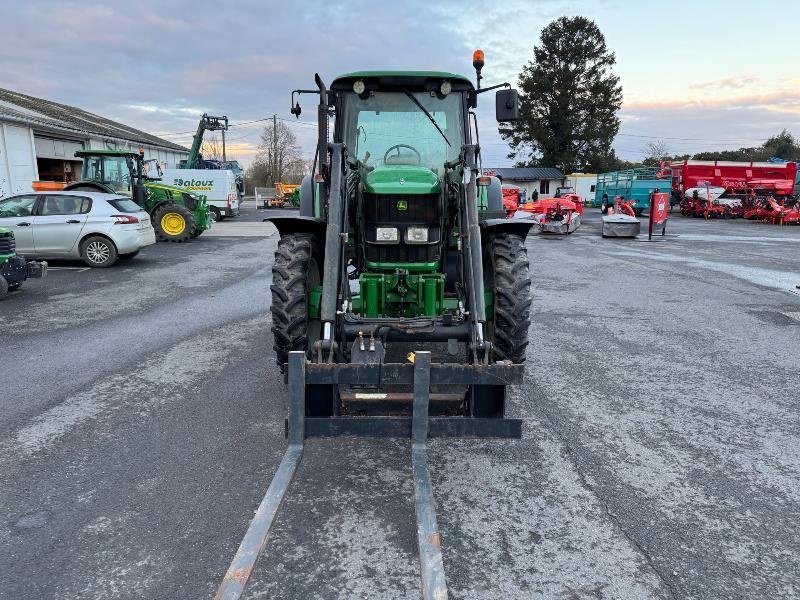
494,87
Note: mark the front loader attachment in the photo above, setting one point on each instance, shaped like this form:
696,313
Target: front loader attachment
421,376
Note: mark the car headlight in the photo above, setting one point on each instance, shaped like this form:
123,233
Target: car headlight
386,235
416,235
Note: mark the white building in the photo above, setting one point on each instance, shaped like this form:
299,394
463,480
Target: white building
584,184
38,140
542,180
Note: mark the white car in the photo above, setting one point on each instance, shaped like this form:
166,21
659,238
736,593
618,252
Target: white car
99,228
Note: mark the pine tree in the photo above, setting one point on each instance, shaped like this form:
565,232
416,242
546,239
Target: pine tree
569,98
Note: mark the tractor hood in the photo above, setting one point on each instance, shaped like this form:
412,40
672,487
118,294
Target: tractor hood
401,179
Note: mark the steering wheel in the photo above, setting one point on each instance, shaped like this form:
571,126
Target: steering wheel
398,155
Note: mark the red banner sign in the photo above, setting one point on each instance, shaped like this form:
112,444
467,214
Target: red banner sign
659,212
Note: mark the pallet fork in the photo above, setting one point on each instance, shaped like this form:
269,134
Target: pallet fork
422,374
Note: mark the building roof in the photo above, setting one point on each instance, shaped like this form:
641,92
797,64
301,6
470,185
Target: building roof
527,173
45,114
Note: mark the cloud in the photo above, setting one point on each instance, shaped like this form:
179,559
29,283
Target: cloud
784,101
735,82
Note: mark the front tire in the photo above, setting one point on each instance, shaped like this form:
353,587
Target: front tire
295,272
98,252
509,279
173,223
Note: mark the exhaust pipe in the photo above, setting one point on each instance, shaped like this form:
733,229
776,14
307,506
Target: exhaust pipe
322,127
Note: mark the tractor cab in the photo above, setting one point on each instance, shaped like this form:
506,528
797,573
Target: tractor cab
114,170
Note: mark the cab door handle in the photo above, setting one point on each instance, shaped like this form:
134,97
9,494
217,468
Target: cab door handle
23,224
73,221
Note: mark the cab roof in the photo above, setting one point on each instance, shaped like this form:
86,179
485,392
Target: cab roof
394,77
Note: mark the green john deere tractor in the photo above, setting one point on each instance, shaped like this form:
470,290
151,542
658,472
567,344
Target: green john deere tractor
400,240
401,295
14,270
177,214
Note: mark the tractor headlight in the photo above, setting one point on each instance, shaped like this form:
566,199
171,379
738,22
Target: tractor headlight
359,87
386,235
445,88
416,235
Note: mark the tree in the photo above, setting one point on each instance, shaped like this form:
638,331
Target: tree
655,153
278,158
211,149
569,100
783,145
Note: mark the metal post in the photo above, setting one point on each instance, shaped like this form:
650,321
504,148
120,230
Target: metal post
434,585
224,155
275,174
235,580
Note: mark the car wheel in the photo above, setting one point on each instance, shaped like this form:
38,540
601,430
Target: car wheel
98,252
128,255
216,214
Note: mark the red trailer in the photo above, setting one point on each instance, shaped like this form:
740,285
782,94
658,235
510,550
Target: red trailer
762,178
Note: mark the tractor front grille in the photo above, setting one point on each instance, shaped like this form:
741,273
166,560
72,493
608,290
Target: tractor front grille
402,211
8,244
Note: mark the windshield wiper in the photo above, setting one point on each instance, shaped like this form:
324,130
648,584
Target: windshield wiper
427,114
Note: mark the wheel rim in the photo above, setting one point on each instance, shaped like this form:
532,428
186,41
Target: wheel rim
173,223
98,252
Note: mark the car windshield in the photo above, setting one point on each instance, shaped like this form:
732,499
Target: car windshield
111,170
390,128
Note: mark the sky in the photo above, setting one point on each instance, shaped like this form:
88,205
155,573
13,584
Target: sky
699,75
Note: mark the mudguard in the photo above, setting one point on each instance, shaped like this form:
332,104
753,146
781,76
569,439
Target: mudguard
520,227
289,225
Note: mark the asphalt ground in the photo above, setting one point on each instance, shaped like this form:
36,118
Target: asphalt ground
143,420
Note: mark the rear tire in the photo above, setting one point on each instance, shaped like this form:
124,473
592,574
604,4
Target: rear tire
98,252
295,271
173,223
3,287
509,279
216,214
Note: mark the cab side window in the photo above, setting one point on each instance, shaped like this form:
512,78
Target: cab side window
65,205
17,206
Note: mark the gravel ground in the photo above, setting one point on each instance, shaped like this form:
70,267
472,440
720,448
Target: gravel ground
143,420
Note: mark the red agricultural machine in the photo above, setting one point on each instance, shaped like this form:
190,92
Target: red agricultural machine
624,207
728,190
512,198
768,210
556,215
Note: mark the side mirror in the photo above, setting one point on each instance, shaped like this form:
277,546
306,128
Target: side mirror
506,105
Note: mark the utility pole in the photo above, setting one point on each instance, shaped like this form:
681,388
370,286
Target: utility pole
275,174
223,146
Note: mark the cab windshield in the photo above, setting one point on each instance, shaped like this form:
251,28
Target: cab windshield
389,128
111,170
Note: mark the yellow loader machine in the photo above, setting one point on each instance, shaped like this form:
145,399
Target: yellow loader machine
401,293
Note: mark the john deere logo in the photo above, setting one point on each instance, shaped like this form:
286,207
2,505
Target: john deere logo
402,205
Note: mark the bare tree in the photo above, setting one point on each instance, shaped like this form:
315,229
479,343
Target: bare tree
211,148
656,152
278,158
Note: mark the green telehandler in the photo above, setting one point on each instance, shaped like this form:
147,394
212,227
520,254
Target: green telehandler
401,295
14,270
177,214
